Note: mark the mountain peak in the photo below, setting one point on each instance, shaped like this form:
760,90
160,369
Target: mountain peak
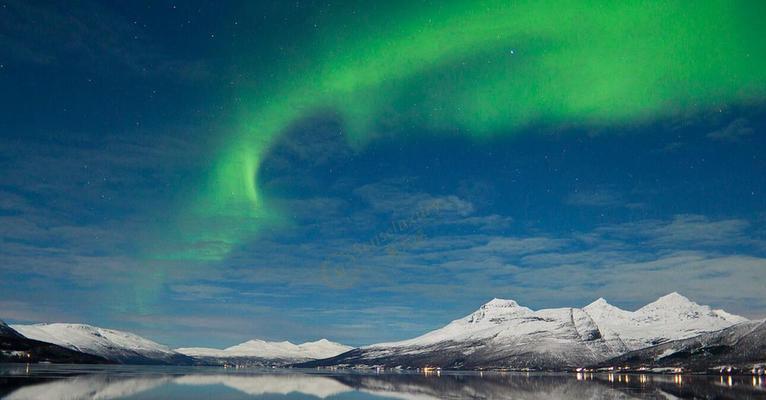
285,350
601,309
500,303
673,299
255,342
680,308
496,310
600,302
320,341
674,296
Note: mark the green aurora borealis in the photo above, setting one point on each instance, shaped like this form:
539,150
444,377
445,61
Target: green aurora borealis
478,68
367,171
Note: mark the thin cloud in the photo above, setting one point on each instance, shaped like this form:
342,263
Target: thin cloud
736,131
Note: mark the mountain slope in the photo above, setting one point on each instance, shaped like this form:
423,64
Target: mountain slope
742,345
14,347
500,334
7,331
268,353
117,346
503,334
671,317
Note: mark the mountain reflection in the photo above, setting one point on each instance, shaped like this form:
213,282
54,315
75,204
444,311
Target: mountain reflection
289,385
317,386
87,387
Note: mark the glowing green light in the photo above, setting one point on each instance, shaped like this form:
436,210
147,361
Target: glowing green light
487,68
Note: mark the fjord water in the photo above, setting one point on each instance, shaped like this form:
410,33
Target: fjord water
59,382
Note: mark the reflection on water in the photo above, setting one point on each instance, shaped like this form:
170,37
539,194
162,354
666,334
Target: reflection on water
59,382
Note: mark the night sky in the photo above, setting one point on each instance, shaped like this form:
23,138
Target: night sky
203,173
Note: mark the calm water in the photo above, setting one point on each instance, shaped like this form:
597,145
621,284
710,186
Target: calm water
128,382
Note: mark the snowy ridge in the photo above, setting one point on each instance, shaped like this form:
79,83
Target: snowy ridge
128,348
500,334
502,330
742,346
257,348
671,317
489,321
14,347
118,346
504,334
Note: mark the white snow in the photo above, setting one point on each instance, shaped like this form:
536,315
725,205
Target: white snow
257,348
671,317
501,328
504,328
108,343
667,352
597,331
500,319
122,346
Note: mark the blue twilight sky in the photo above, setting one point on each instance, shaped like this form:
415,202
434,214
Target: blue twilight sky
110,111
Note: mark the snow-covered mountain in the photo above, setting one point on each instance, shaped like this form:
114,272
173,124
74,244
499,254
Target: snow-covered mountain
117,346
503,334
127,348
14,347
671,317
742,346
272,353
500,334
